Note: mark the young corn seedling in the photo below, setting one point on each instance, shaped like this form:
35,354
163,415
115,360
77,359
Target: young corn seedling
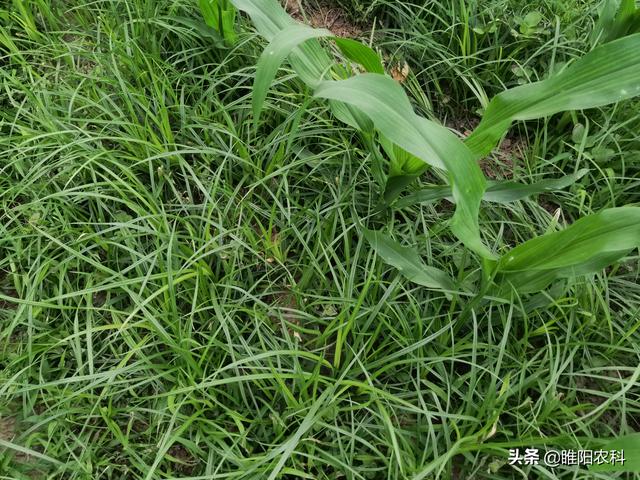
379,108
221,16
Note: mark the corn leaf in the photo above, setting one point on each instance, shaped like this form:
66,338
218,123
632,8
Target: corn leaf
397,183
608,74
630,445
360,53
507,192
275,54
268,16
617,19
210,13
376,96
388,107
497,192
283,45
587,246
309,60
228,22
408,262
352,117
221,16
430,194
401,160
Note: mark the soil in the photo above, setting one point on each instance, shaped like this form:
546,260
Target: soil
286,304
501,164
6,305
7,428
186,462
324,14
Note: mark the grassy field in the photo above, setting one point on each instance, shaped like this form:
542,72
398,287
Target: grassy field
186,295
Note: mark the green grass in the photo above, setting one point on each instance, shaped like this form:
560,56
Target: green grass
174,283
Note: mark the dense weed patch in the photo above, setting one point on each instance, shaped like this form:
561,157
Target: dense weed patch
174,279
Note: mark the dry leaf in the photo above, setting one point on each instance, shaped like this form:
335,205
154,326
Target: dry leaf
400,73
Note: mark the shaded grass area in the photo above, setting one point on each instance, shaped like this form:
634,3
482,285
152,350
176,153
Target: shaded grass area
182,295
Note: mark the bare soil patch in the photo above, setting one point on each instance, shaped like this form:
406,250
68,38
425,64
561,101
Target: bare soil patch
324,14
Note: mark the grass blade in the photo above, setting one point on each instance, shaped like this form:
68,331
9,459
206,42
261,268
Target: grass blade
4,444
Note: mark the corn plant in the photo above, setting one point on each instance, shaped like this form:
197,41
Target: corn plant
378,107
221,16
617,19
